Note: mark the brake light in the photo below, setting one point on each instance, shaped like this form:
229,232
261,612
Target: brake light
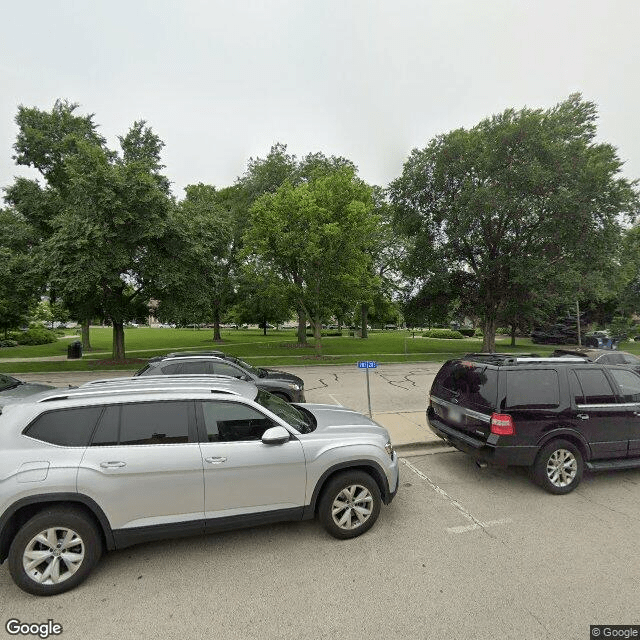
502,424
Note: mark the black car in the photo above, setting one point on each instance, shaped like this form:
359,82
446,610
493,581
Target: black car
279,383
11,387
556,415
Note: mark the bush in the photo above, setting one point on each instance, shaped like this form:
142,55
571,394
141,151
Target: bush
8,343
36,334
324,334
503,331
443,333
478,333
469,333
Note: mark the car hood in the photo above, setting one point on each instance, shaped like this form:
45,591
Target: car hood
274,374
25,389
333,419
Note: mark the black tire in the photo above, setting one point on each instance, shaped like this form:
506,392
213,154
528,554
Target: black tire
366,492
555,455
56,519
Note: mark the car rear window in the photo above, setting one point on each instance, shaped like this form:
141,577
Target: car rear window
533,389
65,427
472,384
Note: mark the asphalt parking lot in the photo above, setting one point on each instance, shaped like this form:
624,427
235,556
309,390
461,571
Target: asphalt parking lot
460,553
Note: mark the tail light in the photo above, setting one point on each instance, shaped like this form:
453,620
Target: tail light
502,424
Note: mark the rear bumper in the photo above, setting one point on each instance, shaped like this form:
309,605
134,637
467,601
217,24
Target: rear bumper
497,454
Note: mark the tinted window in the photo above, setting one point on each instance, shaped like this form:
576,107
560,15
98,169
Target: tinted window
195,368
231,421
532,389
472,385
629,384
595,388
7,382
172,369
154,423
106,433
223,369
67,427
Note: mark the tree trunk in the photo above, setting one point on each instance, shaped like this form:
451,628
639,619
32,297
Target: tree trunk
118,341
489,330
317,334
216,325
364,315
302,325
513,334
264,326
86,342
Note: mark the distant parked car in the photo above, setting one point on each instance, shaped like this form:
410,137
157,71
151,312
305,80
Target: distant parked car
281,384
603,356
11,387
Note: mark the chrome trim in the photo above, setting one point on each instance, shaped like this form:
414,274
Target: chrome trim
469,412
608,406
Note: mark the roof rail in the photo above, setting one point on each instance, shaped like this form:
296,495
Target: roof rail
159,379
515,358
98,393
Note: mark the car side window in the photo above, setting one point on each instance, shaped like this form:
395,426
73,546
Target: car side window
233,422
535,389
144,423
223,369
629,359
629,384
199,367
612,358
172,369
594,387
65,427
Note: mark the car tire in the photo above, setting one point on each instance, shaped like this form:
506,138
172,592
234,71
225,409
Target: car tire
350,504
558,467
69,543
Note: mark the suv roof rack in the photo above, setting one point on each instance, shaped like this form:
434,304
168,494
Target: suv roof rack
515,358
159,379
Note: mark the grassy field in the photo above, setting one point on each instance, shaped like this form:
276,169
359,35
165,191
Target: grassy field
276,348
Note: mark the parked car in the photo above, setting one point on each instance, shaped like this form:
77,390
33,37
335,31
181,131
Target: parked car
556,415
11,387
111,465
603,356
284,385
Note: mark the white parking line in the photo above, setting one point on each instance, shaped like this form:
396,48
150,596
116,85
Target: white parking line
337,403
475,523
480,525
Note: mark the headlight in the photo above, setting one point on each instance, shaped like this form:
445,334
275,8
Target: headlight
389,449
294,386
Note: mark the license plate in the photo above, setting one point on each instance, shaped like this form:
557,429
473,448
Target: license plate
455,415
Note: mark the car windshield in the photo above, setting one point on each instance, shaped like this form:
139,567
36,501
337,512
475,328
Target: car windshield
299,419
246,366
7,382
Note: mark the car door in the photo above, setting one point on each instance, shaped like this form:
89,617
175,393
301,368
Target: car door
242,475
597,413
144,467
628,383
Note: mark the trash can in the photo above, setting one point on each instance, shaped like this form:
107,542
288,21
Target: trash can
74,350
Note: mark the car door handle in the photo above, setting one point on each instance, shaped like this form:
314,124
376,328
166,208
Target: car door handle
583,416
215,460
113,464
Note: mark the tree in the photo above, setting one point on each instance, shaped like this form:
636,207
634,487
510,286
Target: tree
21,281
316,236
523,198
199,286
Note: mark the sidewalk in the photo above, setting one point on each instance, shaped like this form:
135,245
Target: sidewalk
407,428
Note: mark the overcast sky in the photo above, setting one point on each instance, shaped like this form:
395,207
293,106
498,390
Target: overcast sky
222,80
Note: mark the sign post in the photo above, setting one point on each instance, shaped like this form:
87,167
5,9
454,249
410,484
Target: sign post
368,364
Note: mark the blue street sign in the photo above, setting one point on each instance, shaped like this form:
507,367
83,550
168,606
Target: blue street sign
367,364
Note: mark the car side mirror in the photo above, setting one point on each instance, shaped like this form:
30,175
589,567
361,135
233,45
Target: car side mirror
276,435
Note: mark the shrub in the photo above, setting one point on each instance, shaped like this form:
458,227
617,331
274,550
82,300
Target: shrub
503,331
467,332
478,333
8,343
36,334
443,333
324,334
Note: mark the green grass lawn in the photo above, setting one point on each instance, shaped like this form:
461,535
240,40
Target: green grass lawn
276,348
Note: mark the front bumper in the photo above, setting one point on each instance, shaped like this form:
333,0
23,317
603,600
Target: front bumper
395,481
491,453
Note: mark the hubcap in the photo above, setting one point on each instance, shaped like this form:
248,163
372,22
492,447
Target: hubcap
53,555
562,468
352,507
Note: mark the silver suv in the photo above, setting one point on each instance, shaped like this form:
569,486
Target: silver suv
110,465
